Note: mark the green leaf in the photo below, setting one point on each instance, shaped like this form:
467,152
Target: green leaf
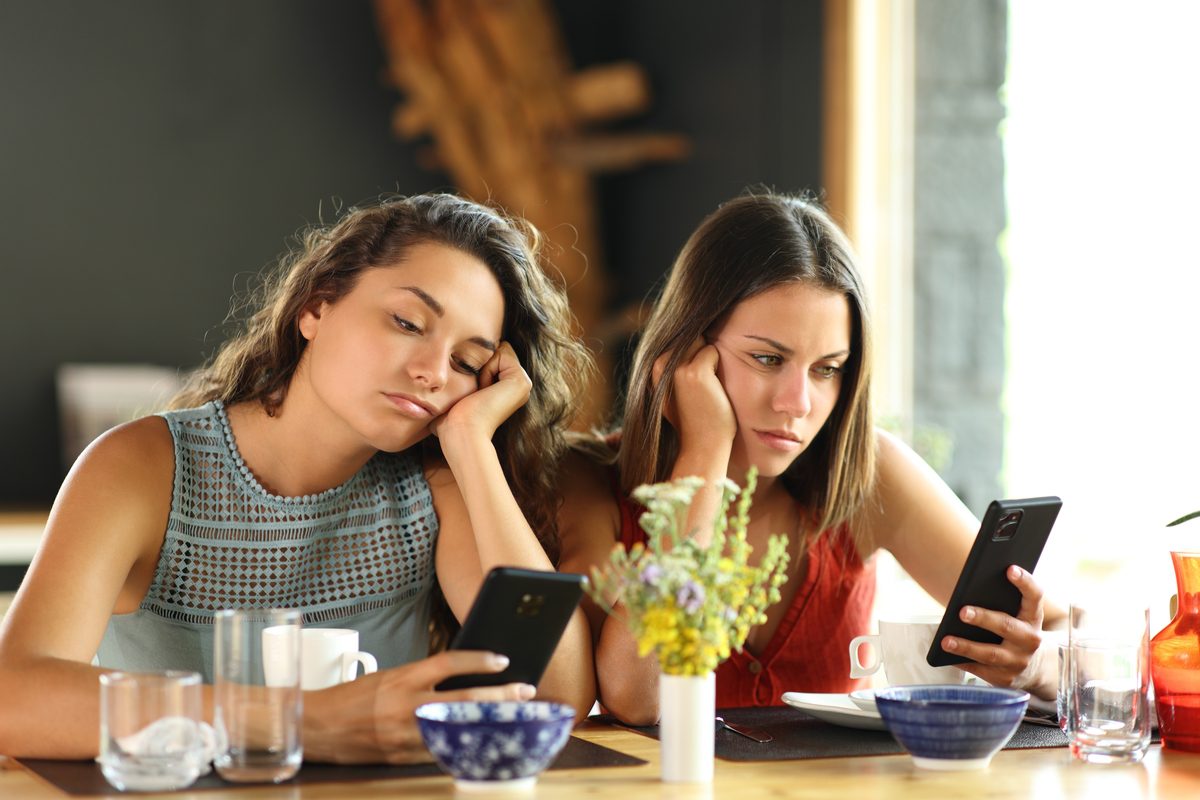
1184,518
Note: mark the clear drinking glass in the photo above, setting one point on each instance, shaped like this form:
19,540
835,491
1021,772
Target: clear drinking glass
1064,683
1108,710
151,739
256,676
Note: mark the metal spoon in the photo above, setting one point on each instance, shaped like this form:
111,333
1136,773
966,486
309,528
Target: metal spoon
762,737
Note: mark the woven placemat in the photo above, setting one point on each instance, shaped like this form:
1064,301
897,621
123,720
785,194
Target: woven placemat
798,735
85,778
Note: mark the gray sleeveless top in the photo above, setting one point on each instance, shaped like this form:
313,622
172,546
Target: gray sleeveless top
360,555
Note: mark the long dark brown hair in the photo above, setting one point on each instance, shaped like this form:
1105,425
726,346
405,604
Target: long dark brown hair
747,246
258,363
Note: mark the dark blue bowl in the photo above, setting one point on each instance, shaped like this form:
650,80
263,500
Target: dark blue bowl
951,727
495,744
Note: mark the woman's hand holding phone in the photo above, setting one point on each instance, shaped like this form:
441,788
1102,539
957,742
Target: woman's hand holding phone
993,623
372,720
1018,659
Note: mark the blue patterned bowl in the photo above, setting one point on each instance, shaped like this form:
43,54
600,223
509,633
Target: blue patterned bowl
493,745
951,727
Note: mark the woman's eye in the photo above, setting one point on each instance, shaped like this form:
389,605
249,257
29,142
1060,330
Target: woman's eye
470,369
767,359
405,325
829,371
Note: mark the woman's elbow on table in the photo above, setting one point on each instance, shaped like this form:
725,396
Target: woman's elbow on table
630,703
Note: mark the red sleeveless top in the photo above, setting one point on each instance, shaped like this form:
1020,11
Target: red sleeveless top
810,649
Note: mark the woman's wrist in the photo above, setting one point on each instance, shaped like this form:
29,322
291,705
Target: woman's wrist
462,442
708,460
314,727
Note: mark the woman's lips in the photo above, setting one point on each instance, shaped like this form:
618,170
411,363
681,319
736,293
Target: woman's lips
411,406
779,440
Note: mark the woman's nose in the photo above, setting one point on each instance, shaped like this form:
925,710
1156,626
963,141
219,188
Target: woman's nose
795,396
429,370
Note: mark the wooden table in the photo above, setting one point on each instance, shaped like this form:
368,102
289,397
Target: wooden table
1048,773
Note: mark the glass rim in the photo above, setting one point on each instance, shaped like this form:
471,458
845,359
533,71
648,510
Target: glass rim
183,677
258,613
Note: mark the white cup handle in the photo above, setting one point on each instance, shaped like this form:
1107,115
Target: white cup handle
351,660
857,670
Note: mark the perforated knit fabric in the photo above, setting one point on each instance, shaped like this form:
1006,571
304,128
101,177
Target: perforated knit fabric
359,555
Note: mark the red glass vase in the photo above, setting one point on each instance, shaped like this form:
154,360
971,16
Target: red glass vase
1175,662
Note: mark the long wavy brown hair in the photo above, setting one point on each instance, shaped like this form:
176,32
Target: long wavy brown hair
747,246
259,361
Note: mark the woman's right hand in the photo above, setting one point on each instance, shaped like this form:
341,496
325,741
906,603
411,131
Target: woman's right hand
697,406
372,719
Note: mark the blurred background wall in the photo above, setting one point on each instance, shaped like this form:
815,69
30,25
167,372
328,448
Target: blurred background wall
156,155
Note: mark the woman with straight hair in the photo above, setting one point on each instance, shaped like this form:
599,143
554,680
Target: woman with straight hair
298,470
758,353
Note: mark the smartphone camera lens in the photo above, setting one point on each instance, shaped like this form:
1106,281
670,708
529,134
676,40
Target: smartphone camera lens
1008,526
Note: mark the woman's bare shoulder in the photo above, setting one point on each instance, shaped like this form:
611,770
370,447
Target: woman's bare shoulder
114,504
120,485
911,506
907,497
589,519
141,450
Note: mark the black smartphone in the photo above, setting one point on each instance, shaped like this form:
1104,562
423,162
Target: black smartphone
520,613
1012,532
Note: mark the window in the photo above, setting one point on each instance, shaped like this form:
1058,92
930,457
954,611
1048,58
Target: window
1102,154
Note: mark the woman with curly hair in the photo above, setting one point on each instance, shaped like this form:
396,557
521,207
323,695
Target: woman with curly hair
297,469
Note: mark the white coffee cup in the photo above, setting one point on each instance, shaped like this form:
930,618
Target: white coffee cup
900,648
328,656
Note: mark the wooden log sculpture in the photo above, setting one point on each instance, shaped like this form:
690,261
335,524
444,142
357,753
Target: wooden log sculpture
490,82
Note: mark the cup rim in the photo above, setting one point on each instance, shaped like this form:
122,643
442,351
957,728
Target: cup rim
912,619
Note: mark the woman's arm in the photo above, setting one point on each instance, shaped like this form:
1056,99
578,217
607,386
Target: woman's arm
701,413
481,526
96,558
589,525
914,515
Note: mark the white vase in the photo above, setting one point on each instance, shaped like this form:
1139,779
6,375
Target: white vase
686,728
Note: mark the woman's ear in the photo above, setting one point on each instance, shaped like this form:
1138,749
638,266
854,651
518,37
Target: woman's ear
310,318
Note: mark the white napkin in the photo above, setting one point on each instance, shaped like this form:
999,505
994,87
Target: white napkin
160,736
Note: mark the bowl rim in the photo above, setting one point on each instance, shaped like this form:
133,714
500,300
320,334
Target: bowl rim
425,711
989,696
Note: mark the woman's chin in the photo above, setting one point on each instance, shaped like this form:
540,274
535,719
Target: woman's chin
396,441
769,465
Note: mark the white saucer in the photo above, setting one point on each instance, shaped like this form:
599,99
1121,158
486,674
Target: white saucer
836,709
864,699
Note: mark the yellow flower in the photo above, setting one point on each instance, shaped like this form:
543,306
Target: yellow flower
691,605
660,627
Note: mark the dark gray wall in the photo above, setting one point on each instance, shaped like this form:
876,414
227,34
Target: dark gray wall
742,79
155,154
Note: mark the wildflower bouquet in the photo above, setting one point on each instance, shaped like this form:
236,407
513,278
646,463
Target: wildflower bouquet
689,603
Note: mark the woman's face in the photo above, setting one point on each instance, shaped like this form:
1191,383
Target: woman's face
404,345
782,355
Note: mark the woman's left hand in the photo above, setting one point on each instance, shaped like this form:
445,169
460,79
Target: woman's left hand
1017,661
504,387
